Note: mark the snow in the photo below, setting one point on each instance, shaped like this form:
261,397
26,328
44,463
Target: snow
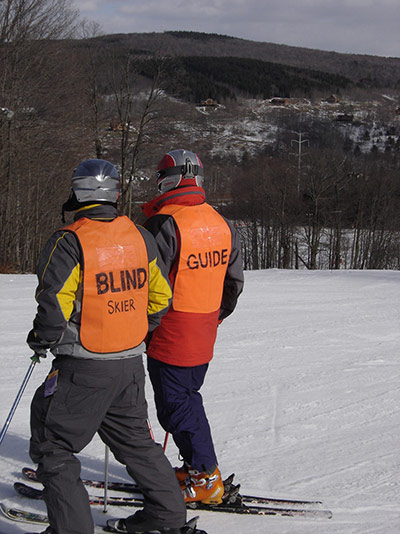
303,396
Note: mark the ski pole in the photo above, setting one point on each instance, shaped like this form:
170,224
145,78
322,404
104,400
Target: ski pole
150,429
165,440
106,464
17,399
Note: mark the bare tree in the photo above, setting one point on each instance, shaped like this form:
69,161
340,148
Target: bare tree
134,121
30,121
91,67
27,20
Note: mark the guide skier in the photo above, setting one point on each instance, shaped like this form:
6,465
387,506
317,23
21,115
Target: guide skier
201,252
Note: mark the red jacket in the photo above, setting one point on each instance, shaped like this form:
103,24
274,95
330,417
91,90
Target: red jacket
201,252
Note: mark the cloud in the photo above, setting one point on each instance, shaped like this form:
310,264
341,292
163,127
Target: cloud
357,26
89,5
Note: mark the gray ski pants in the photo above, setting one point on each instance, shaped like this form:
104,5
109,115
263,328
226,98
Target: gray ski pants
106,397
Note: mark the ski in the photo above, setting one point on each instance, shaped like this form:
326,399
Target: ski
33,493
237,507
130,487
249,509
233,490
24,516
188,528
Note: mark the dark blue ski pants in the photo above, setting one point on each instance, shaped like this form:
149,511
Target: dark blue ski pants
180,410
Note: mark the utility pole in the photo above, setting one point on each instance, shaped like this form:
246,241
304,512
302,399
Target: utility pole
299,142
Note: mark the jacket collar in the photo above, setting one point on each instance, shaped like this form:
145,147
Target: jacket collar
184,196
100,212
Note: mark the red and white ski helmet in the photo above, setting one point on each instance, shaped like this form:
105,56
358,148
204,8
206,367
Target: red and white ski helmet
179,167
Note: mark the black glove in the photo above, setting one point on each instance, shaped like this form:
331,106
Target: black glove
38,346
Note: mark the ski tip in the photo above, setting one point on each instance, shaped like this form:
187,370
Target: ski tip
28,491
29,473
20,487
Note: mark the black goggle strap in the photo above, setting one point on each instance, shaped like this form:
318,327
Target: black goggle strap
196,170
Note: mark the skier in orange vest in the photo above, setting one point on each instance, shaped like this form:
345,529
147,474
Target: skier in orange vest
101,289
201,252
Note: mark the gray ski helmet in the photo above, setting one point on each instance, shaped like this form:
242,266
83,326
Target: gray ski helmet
96,180
177,166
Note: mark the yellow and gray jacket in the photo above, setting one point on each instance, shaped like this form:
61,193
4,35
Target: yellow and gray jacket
60,270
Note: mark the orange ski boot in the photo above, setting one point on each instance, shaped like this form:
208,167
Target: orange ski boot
203,487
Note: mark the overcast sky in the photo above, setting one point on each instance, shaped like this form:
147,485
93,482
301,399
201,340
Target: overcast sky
354,26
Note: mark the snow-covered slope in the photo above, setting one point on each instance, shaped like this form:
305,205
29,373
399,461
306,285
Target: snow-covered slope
303,396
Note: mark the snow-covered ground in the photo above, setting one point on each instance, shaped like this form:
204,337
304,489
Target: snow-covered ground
303,396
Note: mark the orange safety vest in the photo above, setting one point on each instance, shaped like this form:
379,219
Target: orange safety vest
205,248
115,284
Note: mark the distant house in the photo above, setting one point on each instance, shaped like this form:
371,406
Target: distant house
208,102
116,126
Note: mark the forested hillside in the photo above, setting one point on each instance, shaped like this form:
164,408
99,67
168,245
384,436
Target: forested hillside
226,78
300,147
222,78
372,71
